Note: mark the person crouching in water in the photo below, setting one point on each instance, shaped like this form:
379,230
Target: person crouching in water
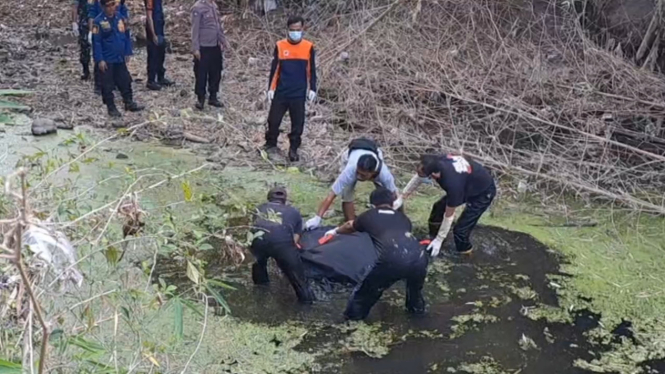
362,161
277,228
465,182
400,256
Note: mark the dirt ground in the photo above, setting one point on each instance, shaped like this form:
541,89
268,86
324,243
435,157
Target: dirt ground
46,61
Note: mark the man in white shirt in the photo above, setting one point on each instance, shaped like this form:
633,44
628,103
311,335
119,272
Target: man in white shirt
362,162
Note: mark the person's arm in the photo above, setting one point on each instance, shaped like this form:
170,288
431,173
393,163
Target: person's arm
97,46
221,35
325,204
297,229
196,23
312,70
412,186
274,73
346,228
149,6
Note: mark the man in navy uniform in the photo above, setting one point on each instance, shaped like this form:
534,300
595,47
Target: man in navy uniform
156,44
94,9
112,48
80,28
465,182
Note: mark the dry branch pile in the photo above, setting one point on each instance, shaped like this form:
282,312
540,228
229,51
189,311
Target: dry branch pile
497,81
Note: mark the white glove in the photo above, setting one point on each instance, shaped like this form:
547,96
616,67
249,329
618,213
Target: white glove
270,95
313,223
90,37
75,29
332,232
398,203
311,95
435,245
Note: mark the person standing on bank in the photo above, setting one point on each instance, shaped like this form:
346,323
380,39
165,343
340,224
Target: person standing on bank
280,226
208,44
465,182
156,45
400,256
94,9
292,81
362,161
112,48
81,28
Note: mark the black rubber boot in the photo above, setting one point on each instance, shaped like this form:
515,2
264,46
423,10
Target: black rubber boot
86,73
213,101
165,82
133,107
293,155
200,103
153,86
113,111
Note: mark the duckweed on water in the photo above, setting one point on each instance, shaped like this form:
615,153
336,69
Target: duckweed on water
487,365
466,322
372,340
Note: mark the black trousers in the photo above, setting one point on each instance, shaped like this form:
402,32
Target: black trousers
116,75
156,57
475,207
85,47
278,108
288,259
208,71
385,274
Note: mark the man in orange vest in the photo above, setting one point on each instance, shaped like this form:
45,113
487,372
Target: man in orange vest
292,81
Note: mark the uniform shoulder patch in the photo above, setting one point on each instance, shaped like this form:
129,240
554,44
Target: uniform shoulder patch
95,29
121,26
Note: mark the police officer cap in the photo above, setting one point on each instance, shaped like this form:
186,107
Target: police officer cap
277,193
106,2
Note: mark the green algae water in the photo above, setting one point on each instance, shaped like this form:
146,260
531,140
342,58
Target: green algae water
515,306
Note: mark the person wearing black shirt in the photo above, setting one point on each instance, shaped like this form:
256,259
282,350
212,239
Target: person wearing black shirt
465,182
277,228
399,256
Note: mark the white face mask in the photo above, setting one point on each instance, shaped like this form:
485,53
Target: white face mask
295,36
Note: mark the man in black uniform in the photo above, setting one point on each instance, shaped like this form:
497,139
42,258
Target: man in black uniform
278,227
399,256
465,182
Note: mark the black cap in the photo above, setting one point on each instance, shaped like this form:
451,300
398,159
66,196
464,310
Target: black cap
277,193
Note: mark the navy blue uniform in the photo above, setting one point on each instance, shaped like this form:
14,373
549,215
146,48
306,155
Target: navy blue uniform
400,256
156,51
111,44
465,182
278,223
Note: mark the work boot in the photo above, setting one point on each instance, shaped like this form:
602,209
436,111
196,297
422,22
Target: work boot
153,86
213,101
199,103
272,151
86,74
165,82
113,111
293,155
132,106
